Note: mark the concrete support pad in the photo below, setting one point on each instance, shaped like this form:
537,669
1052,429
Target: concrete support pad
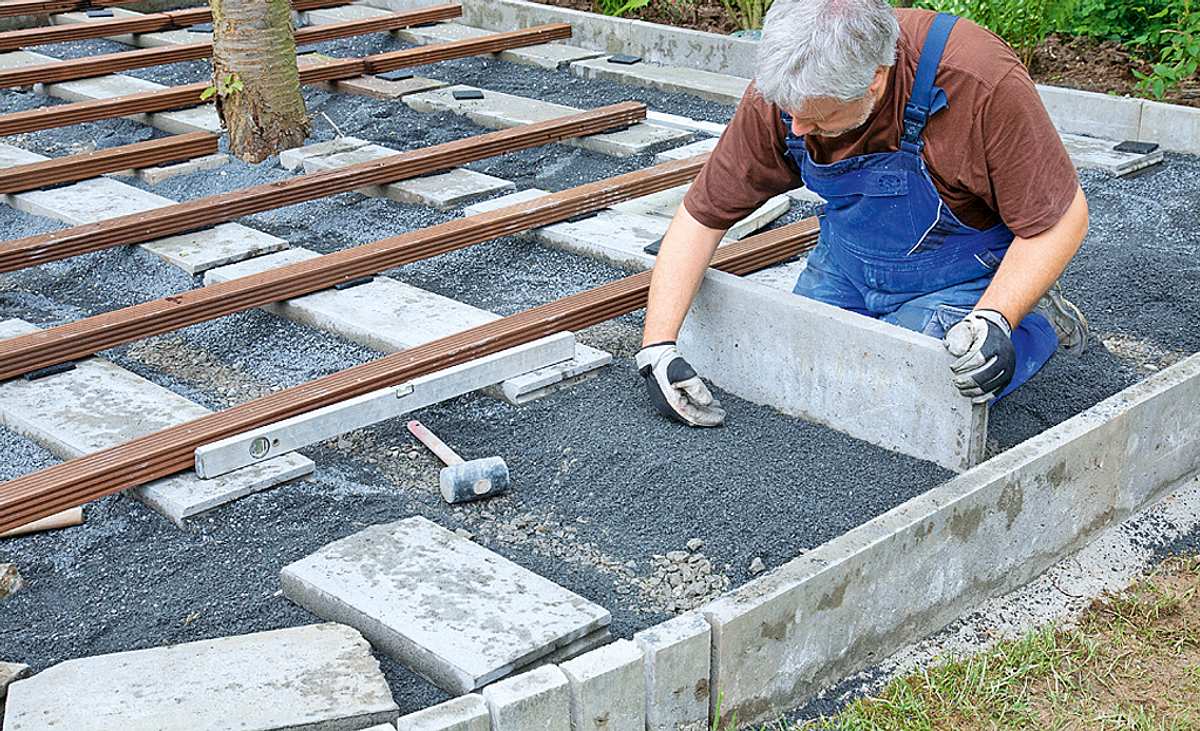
99,405
319,677
822,363
539,699
677,673
608,688
451,610
465,713
156,175
719,88
501,111
294,158
97,199
1093,152
547,55
378,87
201,118
388,315
610,236
692,149
512,199
906,574
441,190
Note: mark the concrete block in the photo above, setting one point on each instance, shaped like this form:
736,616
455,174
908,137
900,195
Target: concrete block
692,149
492,204
906,574
156,175
11,672
1173,126
608,688
676,121
294,158
539,699
389,316
201,118
227,243
1089,113
501,111
440,190
677,673
662,204
719,88
377,87
762,217
611,236
465,713
822,363
319,677
88,201
1093,152
100,405
547,55
449,609
329,16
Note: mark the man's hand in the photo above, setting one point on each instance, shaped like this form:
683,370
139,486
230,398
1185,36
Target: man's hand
985,359
675,389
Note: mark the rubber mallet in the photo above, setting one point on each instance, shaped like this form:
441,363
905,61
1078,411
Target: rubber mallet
463,481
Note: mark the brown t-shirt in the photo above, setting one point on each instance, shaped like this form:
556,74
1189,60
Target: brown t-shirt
993,153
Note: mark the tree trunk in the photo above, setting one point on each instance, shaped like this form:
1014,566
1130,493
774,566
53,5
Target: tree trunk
256,79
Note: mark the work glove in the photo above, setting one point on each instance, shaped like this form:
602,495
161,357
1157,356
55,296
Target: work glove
675,389
984,356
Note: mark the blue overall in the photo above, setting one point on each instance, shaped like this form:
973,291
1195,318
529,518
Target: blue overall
890,247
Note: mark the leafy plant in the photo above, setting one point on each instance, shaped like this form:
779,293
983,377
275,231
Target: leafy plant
1178,51
617,8
748,14
1023,23
225,86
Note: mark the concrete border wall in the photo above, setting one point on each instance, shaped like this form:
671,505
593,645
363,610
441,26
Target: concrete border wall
833,367
908,573
1175,127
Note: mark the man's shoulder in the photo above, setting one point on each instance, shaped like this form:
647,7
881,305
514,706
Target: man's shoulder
974,55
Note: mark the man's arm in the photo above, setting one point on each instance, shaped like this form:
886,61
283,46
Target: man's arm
1032,265
686,250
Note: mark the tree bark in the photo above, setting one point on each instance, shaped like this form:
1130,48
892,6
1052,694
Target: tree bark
253,43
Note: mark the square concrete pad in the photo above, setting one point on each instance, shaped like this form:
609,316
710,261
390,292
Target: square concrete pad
316,677
453,611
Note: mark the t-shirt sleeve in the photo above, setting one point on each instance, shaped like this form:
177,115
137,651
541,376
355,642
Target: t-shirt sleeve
1033,180
746,168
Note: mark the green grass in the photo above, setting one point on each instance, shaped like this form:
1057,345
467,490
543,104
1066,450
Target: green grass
1132,663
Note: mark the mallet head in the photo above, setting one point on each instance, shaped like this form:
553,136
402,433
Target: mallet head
473,480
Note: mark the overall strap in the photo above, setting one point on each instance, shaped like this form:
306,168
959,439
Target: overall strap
924,94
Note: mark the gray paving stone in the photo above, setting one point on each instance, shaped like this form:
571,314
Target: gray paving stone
1094,152
11,672
465,713
97,199
677,673
521,196
201,118
158,174
451,610
497,110
611,236
328,16
442,190
677,121
319,677
538,700
692,149
294,158
128,39
547,55
389,316
608,688
100,404
720,88
378,87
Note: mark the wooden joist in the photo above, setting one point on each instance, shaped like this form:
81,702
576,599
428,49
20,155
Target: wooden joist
172,450
86,165
179,97
111,63
14,8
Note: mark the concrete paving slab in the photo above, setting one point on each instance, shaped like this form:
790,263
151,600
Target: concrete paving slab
676,656
465,713
88,201
608,688
1094,152
677,121
156,175
128,39
512,199
611,236
328,16
441,190
294,158
319,677
449,609
201,118
700,147
389,316
11,672
501,111
666,203
547,55
539,699
378,87
719,88
99,405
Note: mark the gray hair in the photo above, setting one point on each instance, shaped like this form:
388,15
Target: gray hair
824,48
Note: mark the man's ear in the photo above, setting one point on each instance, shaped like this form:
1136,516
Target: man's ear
879,83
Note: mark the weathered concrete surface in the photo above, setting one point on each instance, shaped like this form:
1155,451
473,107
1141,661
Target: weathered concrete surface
611,236
537,700
547,55
608,688
692,149
465,713
10,672
303,678
202,118
100,404
1094,152
156,175
501,111
512,199
378,87
828,365
908,573
294,158
389,316
720,88
453,611
97,199
675,121
677,673
1173,126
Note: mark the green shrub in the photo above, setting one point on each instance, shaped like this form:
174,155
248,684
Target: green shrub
1174,50
748,14
619,7
1023,23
